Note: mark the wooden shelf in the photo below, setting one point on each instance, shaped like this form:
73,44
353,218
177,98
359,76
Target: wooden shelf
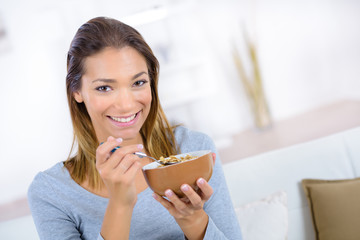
314,124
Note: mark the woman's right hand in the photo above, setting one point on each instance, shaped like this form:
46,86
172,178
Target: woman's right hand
118,170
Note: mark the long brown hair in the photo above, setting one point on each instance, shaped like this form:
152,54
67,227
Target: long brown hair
157,134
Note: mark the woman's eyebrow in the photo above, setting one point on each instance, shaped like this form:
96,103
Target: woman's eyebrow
105,80
138,75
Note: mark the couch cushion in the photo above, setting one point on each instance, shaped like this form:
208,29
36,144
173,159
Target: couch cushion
265,218
300,225
352,145
335,207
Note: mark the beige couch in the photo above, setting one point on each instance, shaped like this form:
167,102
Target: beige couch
252,179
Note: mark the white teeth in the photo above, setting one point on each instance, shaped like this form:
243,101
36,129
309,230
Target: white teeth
123,120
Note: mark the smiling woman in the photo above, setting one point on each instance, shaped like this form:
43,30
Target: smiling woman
102,194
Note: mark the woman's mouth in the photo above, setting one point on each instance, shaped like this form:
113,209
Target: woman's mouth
124,121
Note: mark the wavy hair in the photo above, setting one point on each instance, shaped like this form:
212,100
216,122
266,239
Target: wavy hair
157,133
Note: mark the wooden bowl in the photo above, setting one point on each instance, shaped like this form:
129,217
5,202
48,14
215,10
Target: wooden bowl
173,176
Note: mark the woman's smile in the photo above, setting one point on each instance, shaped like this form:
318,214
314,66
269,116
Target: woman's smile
125,121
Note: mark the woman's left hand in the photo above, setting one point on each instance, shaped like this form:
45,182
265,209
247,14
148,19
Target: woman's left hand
192,202
188,211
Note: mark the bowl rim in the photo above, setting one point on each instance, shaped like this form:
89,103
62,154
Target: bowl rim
154,165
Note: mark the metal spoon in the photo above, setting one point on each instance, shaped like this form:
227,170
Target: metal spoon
142,155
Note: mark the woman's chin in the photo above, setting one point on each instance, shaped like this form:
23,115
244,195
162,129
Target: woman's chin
130,135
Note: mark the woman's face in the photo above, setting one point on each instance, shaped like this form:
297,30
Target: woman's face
116,92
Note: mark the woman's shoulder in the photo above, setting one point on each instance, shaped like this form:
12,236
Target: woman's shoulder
57,171
44,181
189,140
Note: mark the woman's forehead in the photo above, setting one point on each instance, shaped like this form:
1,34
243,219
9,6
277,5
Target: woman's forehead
125,62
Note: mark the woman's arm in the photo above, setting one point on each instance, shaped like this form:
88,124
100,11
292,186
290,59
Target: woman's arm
118,171
223,223
60,215
50,217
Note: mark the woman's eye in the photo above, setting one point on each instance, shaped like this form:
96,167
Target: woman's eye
103,88
140,83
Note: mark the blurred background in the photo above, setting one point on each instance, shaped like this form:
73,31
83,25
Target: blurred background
254,75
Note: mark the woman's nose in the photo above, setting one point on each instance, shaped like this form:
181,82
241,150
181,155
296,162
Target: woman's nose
125,100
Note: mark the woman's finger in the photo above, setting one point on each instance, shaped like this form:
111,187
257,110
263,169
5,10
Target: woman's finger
177,203
121,152
214,157
133,169
119,155
193,197
103,152
206,189
166,204
127,163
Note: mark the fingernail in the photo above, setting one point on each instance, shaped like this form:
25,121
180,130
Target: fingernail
201,181
101,143
155,196
168,193
119,140
140,146
185,188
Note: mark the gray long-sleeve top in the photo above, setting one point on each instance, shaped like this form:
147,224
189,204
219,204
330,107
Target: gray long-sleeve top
62,209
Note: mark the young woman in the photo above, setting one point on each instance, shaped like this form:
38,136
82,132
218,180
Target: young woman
100,194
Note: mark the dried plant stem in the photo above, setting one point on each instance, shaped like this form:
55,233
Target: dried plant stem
253,86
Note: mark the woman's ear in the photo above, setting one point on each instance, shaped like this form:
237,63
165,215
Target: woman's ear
78,97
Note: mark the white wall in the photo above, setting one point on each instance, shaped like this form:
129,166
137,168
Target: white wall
309,56
309,51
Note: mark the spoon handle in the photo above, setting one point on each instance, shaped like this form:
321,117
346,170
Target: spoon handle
141,154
